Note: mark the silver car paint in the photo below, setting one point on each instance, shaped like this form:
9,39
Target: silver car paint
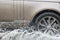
25,9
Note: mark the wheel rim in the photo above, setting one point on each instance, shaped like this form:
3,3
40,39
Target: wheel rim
49,25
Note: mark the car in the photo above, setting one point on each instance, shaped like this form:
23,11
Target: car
44,15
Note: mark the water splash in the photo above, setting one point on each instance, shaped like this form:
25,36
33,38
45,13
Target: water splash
27,34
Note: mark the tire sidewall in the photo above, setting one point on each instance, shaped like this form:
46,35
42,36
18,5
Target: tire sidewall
46,14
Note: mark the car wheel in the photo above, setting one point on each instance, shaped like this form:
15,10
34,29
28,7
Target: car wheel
48,23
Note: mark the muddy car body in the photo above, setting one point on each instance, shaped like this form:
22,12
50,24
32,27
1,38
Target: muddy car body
34,12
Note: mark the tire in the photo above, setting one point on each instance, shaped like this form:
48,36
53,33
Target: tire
46,15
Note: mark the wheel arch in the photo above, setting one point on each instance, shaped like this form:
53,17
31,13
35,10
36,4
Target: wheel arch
40,12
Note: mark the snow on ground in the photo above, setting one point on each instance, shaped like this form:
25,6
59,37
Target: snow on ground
25,35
